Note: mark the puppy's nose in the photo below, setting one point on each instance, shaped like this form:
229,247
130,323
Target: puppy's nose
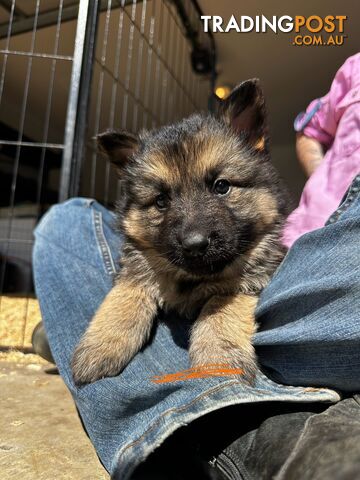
195,244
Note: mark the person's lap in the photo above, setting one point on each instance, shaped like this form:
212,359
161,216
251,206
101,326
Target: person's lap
308,334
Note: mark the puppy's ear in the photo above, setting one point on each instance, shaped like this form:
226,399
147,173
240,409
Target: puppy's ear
119,146
244,111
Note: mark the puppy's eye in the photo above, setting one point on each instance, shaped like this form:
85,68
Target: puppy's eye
221,187
161,201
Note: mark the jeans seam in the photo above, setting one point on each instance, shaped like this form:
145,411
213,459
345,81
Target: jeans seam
178,409
103,246
350,197
184,408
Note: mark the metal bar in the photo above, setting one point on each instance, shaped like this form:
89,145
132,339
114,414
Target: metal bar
163,81
177,41
114,92
128,65
8,34
31,144
156,90
181,77
17,240
37,55
116,68
48,108
149,64
79,95
139,66
100,97
169,55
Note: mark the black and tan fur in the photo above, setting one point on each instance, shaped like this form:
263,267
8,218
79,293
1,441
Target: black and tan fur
170,194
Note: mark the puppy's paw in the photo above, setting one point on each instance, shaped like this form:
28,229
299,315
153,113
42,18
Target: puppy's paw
92,361
243,359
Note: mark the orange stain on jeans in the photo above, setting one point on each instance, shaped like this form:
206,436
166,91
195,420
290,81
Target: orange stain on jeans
203,371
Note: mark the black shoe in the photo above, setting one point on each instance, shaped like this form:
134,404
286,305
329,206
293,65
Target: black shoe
40,343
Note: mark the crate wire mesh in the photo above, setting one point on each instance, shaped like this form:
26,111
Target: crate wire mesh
142,78
69,70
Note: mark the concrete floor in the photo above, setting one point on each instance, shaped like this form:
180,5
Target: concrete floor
41,437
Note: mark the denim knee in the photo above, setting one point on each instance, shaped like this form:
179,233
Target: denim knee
61,215
80,227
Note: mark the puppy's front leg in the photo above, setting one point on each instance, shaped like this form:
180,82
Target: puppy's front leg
223,332
118,330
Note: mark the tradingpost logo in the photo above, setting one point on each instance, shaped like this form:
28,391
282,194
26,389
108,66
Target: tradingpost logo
311,30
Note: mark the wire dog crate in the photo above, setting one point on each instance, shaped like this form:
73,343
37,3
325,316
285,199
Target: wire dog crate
69,70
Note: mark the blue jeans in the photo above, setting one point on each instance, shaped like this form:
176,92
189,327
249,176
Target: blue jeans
308,340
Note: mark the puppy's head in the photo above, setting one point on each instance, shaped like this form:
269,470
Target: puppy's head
200,193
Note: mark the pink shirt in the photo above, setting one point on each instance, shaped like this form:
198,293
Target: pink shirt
334,122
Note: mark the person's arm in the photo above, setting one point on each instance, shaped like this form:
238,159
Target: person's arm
310,153
316,127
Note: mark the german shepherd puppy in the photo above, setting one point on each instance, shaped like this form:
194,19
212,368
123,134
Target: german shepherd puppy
202,211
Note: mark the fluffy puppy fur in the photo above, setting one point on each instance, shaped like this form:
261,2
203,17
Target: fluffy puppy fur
202,210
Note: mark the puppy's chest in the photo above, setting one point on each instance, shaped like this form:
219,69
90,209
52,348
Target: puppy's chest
188,296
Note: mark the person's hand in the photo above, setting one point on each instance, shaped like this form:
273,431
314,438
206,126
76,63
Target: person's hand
310,153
